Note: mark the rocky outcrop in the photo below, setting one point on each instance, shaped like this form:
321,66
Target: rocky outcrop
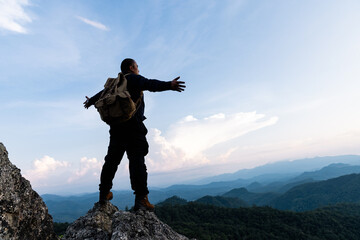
107,222
23,214
96,224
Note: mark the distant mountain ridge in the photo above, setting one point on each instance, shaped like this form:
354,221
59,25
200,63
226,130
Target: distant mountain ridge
307,196
331,171
264,183
69,208
259,199
285,168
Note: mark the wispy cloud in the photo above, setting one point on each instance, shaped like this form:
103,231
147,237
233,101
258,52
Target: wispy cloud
13,15
197,135
93,23
186,143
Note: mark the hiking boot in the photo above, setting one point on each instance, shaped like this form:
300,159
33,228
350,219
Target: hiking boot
104,197
143,204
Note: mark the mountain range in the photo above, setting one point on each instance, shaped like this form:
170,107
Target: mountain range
282,169
304,197
256,190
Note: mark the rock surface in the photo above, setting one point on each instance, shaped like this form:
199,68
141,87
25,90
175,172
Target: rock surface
23,214
107,222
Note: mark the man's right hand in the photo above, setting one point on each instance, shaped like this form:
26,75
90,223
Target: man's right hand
177,85
86,103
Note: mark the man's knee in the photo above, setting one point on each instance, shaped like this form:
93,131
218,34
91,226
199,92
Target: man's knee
113,157
139,148
137,154
115,153
112,160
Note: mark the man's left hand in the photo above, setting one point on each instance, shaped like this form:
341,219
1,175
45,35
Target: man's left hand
177,85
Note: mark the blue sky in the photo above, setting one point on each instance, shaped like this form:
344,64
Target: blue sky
266,81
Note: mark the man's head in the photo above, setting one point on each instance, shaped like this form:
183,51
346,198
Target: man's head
129,65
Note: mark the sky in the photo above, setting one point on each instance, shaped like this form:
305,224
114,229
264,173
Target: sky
266,81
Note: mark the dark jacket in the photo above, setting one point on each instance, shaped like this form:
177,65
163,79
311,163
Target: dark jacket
135,85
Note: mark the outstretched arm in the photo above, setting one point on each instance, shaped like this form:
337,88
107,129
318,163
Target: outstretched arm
177,85
141,83
92,100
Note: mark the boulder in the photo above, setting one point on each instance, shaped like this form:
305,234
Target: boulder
23,214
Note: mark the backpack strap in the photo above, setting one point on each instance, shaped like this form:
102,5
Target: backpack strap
138,102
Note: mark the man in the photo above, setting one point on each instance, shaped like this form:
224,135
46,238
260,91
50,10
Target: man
130,136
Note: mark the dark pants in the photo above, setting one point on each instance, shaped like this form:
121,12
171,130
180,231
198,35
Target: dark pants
128,137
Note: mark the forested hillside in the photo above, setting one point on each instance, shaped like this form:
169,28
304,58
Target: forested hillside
259,199
202,221
344,189
307,196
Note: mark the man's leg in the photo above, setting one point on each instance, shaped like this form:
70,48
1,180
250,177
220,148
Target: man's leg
137,150
113,158
138,172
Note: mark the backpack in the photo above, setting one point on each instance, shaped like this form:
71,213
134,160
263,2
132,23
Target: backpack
115,104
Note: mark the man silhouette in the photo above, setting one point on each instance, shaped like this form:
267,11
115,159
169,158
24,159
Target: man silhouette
130,136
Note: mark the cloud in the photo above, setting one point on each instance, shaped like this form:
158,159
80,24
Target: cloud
12,15
195,136
186,143
164,155
226,155
48,172
94,24
44,169
89,167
